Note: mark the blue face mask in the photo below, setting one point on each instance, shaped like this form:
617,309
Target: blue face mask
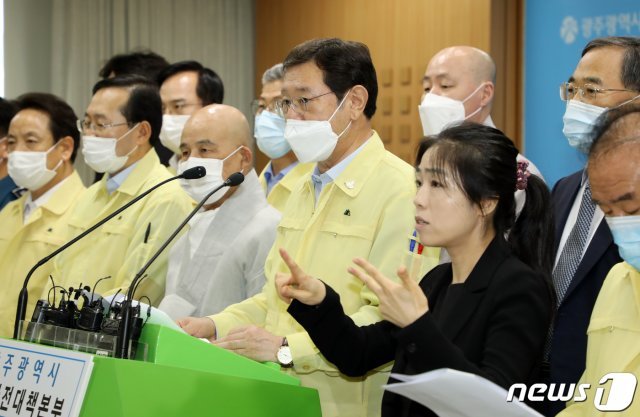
626,234
269,133
579,119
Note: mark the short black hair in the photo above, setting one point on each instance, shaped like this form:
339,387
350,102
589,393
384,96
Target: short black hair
144,102
630,71
8,109
611,128
344,64
209,89
62,119
145,63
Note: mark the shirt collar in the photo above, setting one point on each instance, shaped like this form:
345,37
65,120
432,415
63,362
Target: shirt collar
272,179
337,169
489,122
584,177
31,205
114,182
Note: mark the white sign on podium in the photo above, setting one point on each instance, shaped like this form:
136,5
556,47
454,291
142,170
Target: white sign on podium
39,380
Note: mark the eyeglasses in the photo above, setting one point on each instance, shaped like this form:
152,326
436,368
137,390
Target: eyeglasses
259,105
298,105
85,125
590,91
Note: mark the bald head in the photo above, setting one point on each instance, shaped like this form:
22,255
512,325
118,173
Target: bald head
463,73
218,132
220,122
472,62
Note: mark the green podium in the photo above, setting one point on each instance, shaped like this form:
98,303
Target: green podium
184,376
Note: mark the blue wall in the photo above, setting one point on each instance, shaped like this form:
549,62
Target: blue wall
555,33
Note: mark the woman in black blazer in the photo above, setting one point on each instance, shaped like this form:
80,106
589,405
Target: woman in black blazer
487,312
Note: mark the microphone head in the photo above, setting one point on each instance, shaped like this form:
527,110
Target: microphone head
194,173
234,179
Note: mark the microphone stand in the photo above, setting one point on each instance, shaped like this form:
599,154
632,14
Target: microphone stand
23,297
124,331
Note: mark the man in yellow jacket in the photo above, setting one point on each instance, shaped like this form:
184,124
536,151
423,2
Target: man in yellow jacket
357,202
42,143
118,131
613,349
283,170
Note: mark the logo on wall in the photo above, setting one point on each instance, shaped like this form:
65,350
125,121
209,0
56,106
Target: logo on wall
569,30
589,27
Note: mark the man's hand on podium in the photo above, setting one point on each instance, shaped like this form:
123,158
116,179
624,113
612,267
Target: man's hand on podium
201,327
252,342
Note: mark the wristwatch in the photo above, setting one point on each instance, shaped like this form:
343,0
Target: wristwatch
284,354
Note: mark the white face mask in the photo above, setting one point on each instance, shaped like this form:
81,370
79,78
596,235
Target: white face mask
100,153
199,188
436,112
313,140
29,169
579,119
269,133
171,132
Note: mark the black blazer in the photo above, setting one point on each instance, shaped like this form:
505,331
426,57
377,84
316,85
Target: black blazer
496,328
568,353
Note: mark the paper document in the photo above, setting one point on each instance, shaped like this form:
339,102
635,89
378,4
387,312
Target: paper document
451,393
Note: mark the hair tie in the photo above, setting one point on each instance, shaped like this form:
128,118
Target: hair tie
522,175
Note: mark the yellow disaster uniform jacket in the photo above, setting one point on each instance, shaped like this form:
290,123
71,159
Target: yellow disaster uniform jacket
614,344
125,243
22,245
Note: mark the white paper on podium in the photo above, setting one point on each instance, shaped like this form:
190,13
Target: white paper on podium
451,393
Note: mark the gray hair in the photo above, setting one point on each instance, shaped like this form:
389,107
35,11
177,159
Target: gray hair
275,73
630,71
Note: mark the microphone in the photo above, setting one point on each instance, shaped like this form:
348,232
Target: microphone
193,173
189,174
124,332
234,179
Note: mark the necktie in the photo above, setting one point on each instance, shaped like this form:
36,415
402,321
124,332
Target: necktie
572,252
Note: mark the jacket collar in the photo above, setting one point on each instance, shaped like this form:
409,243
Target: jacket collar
355,175
291,179
62,199
135,181
245,202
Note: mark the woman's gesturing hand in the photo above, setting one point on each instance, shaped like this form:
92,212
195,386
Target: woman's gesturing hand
304,288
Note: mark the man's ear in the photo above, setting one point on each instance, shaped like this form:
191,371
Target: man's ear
4,150
487,93
358,97
65,148
247,159
143,133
